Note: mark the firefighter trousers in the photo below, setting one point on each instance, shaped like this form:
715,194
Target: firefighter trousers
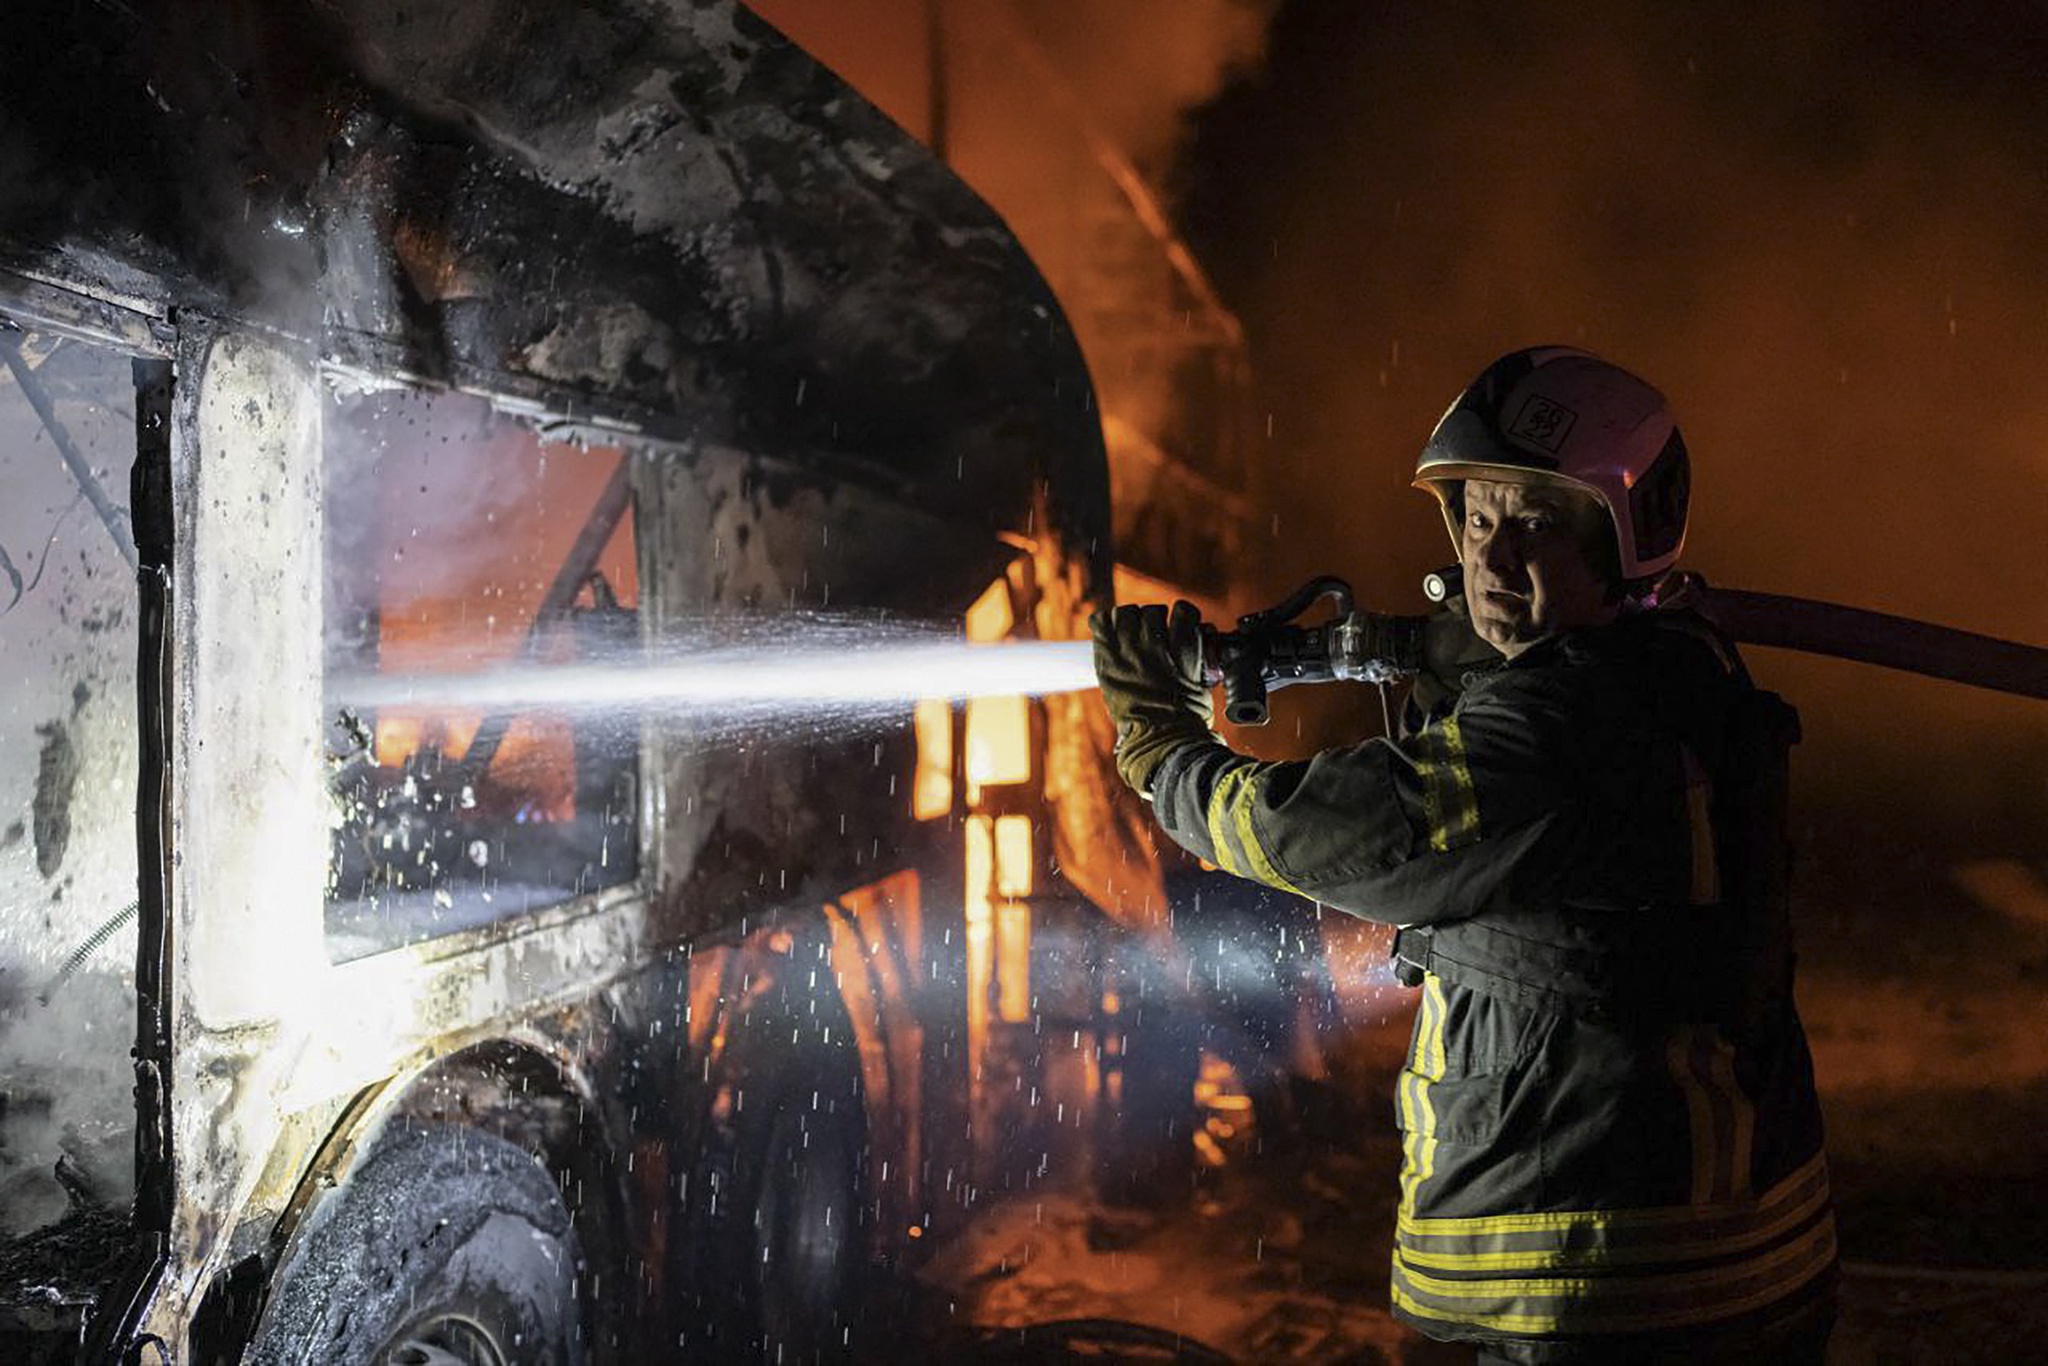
1800,1338
1807,1346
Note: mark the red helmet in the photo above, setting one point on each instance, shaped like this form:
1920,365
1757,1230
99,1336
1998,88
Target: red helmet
1556,414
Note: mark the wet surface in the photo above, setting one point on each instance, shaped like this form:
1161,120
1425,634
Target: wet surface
1934,1070
1277,1253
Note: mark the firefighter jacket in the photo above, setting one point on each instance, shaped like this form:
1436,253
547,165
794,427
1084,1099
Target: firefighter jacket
1608,1115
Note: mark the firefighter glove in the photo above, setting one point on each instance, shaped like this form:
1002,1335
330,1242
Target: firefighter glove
1149,662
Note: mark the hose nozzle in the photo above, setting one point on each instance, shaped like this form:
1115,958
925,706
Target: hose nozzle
1268,650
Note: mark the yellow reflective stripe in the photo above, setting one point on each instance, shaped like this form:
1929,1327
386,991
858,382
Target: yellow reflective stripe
1418,1114
1715,1240
1618,1303
1219,817
1699,1111
1785,1194
1741,1115
1411,1135
1722,1120
1449,800
1433,992
1508,1323
1231,807
1262,868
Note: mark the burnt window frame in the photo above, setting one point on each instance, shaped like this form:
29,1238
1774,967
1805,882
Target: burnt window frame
552,418
150,344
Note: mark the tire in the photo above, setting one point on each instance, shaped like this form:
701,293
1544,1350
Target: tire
782,1264
806,1246
444,1247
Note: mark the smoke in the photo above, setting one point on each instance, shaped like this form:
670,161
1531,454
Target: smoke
69,1090
1140,65
1136,66
1063,116
1819,230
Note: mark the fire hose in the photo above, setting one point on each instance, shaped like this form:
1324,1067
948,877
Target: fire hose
1271,649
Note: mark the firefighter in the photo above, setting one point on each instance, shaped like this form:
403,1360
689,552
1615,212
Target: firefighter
1611,1142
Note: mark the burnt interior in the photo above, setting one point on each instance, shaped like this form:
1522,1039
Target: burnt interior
460,540
68,871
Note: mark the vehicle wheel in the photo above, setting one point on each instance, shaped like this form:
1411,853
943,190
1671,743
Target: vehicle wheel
445,1247
805,1239
783,1262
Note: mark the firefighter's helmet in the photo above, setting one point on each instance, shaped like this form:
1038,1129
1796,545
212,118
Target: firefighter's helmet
1560,415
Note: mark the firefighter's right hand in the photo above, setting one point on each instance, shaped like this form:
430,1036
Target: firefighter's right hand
1149,663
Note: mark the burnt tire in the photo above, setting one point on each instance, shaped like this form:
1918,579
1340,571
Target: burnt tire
444,1247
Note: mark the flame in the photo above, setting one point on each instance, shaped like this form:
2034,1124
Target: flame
931,787
1015,856
471,599
998,743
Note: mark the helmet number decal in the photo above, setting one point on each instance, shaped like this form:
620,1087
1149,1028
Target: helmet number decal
1543,423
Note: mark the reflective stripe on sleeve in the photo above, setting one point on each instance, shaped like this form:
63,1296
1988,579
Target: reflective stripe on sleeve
1237,845
1255,853
1450,801
1220,823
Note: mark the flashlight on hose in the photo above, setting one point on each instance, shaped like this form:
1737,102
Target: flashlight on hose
1442,586
1270,649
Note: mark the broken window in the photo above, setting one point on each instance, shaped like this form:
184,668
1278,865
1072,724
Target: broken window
476,572
68,767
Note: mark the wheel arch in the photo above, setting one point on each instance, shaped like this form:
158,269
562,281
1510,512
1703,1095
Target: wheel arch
525,1089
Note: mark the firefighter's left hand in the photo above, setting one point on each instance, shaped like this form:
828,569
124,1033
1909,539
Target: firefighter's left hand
1149,662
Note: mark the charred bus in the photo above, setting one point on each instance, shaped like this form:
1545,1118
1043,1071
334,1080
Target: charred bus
349,342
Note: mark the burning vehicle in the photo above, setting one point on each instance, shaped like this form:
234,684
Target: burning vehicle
346,352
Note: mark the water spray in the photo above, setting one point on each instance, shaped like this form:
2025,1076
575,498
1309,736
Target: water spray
847,665
747,677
